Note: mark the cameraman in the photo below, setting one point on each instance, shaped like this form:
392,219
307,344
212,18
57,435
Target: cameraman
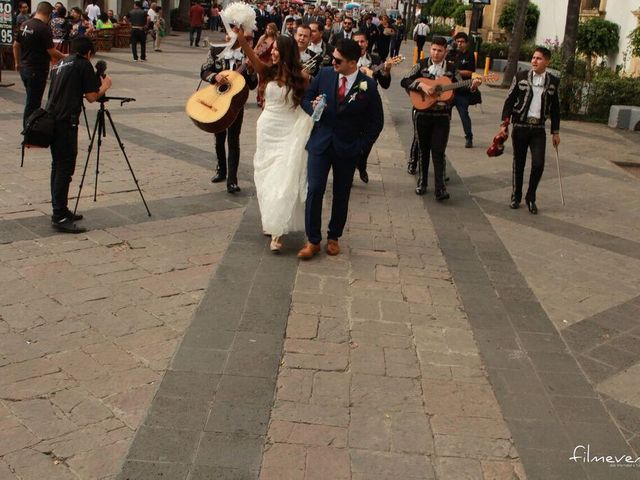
71,79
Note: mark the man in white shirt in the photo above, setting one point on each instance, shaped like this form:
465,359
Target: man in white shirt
532,98
93,12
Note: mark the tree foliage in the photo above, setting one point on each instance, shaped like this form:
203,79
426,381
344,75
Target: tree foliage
634,42
508,18
598,36
443,8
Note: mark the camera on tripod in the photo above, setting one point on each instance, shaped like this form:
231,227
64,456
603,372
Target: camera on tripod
101,69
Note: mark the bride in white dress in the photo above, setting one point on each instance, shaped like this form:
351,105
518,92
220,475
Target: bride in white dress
280,161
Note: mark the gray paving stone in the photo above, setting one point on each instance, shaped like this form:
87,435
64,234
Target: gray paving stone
252,390
229,450
178,413
164,445
188,384
137,470
240,418
206,472
203,360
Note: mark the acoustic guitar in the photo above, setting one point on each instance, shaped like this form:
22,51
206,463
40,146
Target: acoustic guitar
443,89
369,71
215,107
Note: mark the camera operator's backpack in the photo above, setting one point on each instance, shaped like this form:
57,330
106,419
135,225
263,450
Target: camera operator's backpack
38,129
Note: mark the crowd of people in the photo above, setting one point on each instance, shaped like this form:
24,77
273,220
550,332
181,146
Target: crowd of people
317,73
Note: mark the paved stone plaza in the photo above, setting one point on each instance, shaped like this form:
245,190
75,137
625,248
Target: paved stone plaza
452,341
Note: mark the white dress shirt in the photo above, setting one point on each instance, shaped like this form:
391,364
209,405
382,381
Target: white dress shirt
364,61
350,81
316,47
537,82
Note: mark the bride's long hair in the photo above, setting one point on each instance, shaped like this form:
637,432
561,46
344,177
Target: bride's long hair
288,70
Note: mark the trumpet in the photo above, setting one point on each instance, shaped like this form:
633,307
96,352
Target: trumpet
310,64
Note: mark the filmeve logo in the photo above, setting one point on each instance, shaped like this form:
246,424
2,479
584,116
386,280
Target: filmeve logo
582,453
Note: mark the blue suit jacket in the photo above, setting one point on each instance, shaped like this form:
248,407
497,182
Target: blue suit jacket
351,126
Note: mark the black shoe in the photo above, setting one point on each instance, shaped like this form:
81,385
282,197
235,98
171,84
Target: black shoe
219,177
74,217
421,190
531,205
442,195
233,188
66,225
411,169
364,176
514,205
468,143
446,179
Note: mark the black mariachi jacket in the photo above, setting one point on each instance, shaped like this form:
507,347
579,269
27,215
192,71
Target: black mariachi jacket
518,101
215,65
421,70
383,80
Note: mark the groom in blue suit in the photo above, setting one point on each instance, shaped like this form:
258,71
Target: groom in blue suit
349,126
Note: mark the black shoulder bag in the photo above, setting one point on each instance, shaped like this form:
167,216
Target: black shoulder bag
38,129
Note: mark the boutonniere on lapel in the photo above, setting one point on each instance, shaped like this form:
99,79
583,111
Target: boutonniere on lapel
358,93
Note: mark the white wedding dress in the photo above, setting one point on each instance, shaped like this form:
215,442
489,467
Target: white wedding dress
280,162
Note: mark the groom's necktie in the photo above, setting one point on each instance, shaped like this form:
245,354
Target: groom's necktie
342,89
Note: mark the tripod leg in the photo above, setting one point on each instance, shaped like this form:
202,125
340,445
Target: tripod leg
133,175
22,156
86,121
86,164
100,122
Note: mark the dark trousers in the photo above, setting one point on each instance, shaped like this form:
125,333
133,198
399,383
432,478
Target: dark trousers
197,31
231,136
64,150
523,139
461,102
420,41
139,36
362,161
433,134
35,81
318,173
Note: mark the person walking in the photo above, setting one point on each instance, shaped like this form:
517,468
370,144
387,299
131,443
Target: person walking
532,98
280,160
196,20
349,125
139,21
464,61
420,33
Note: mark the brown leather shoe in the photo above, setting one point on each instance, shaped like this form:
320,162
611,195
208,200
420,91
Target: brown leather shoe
333,247
308,251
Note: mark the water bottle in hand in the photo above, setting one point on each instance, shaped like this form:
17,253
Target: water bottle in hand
320,106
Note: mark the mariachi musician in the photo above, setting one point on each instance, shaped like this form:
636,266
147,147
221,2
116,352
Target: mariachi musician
432,126
383,76
219,60
321,50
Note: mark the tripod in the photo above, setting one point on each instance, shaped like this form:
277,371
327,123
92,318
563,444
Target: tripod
101,130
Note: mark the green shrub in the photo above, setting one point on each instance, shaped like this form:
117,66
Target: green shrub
439,30
598,36
605,91
508,18
459,15
501,50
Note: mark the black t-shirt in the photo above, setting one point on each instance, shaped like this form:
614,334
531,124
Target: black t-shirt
35,39
463,60
138,17
71,78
